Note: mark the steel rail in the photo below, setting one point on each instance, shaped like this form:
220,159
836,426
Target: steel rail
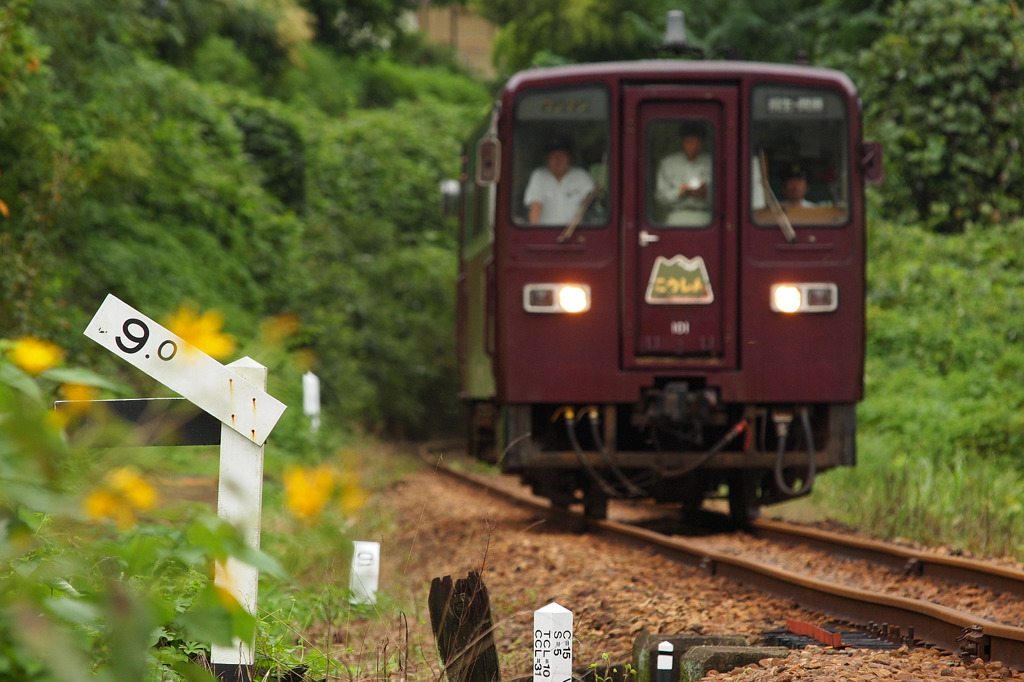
911,561
930,623
945,628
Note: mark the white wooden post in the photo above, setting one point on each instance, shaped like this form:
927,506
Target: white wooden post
552,644
236,395
240,503
311,400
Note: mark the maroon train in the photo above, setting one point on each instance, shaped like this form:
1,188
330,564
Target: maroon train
672,338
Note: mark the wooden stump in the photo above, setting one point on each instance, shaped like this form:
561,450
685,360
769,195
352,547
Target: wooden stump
460,614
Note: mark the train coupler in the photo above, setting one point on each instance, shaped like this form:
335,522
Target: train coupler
675,405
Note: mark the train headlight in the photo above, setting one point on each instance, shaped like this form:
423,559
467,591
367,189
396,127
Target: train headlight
805,297
556,297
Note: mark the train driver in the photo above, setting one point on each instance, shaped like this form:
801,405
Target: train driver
683,184
556,190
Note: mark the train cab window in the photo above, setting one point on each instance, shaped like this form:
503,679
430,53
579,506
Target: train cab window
679,185
799,161
560,157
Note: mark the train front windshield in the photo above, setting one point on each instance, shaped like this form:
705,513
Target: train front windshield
799,158
560,157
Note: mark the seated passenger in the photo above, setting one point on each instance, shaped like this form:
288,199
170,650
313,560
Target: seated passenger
683,183
794,187
555,191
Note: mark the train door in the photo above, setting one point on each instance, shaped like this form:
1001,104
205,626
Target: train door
679,243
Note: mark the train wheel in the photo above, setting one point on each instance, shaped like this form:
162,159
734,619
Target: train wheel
744,504
595,502
480,432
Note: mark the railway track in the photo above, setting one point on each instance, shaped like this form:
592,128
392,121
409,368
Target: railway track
893,617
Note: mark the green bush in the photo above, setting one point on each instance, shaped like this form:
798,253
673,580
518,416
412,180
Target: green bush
944,90
381,276
95,582
941,427
319,79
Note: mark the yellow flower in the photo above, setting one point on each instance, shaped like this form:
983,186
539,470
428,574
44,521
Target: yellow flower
127,483
103,505
307,491
78,392
351,496
225,585
279,329
202,330
123,493
78,396
35,356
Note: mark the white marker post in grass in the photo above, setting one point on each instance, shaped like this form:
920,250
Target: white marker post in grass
365,576
552,644
236,395
311,400
240,503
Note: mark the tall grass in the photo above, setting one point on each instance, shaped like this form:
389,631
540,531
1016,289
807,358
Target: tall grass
941,428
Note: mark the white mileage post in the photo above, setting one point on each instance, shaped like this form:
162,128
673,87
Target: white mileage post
185,369
234,395
552,644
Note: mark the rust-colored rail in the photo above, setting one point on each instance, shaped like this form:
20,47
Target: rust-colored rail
945,628
910,561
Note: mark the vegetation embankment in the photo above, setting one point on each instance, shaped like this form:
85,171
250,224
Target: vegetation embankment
239,158
941,429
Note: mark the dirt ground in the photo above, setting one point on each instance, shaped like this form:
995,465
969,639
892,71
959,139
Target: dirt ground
438,528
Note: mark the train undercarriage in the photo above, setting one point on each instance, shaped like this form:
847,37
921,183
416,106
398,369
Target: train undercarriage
674,446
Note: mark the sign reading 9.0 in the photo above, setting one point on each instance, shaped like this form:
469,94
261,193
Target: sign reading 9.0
136,334
185,369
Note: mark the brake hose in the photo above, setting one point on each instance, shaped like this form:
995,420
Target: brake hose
736,430
782,429
570,427
631,487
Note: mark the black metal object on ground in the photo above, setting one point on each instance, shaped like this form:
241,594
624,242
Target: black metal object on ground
854,639
460,614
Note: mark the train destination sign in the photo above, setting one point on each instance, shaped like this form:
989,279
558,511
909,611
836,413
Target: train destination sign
185,369
679,280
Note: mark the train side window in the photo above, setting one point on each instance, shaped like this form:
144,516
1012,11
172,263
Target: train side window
680,172
799,141
559,157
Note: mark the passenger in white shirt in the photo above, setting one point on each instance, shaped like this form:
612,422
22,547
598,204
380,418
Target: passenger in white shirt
555,192
683,183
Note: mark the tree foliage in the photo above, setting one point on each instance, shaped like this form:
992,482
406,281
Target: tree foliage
173,159
543,32
351,27
783,30
237,154
944,90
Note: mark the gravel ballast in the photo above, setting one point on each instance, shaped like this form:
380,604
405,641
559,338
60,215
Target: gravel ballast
437,527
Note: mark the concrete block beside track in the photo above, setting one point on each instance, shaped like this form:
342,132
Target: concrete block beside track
645,651
700,660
